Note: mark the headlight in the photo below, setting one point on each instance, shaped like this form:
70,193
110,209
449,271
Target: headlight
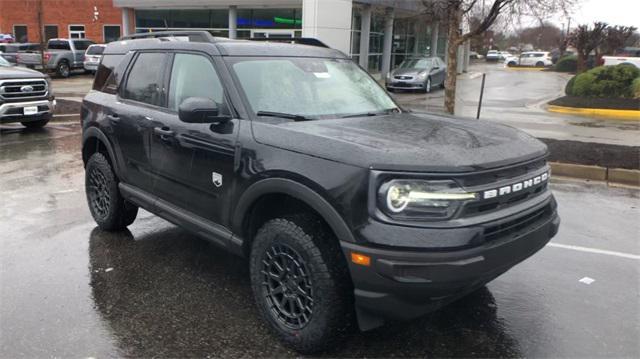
421,200
422,74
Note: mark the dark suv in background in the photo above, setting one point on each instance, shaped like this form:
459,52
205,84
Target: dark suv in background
346,206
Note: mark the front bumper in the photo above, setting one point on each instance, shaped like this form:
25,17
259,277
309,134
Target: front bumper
405,283
405,84
15,111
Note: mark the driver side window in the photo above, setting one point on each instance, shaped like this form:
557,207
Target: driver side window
193,76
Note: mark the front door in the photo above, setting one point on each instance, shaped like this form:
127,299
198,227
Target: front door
194,163
140,100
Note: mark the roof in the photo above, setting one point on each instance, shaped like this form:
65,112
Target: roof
193,40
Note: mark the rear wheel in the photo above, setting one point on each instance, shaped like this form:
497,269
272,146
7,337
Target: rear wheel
301,283
511,64
107,206
63,69
35,124
540,64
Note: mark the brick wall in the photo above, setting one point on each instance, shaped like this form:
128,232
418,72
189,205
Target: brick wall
61,13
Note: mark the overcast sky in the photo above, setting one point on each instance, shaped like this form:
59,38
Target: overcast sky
614,12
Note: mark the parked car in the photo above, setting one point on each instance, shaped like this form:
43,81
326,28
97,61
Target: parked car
25,96
475,56
92,57
421,73
61,56
627,55
531,58
493,55
295,158
10,51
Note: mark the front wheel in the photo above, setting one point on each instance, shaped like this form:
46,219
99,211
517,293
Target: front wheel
539,64
300,283
110,211
427,85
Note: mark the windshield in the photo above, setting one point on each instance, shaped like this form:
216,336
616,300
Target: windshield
95,50
415,64
309,87
3,62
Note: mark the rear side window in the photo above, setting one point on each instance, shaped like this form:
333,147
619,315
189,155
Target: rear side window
145,79
58,45
95,50
193,76
107,76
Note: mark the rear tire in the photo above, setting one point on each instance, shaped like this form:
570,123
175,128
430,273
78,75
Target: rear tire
63,69
539,64
107,206
301,283
511,64
35,124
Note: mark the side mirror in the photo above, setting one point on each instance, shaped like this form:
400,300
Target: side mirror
201,110
435,68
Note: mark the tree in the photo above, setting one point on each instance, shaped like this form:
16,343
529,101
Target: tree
454,11
586,39
615,37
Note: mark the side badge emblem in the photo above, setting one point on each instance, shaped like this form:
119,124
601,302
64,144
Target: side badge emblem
216,178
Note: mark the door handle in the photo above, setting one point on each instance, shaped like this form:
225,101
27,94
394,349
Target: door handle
113,117
163,132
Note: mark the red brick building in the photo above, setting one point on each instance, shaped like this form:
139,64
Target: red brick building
97,20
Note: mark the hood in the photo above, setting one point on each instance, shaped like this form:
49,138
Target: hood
405,142
16,72
407,72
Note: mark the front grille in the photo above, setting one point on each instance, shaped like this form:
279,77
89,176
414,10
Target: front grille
399,77
519,224
23,90
494,204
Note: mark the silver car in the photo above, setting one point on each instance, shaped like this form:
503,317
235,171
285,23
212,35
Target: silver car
422,73
92,57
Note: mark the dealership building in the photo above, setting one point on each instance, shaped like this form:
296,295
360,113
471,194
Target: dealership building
378,34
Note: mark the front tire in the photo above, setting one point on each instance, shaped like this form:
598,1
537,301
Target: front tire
539,64
107,206
427,85
300,283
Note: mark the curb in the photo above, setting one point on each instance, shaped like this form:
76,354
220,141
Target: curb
627,115
526,68
597,173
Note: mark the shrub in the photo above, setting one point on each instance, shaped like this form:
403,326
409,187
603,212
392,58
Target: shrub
604,81
635,88
567,64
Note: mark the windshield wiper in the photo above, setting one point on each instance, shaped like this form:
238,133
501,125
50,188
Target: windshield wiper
290,116
368,114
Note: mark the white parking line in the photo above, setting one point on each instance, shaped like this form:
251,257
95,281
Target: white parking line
595,250
67,115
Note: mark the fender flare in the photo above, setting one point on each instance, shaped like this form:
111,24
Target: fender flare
297,191
94,132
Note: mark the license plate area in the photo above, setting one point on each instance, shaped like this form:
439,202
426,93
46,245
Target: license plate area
30,110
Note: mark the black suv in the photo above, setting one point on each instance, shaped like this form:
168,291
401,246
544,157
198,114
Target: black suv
346,206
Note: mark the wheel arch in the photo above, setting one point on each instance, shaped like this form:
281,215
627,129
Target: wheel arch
94,140
269,190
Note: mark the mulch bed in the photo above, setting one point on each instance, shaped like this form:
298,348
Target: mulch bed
594,102
597,154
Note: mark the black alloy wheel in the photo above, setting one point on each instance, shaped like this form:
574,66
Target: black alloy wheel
287,286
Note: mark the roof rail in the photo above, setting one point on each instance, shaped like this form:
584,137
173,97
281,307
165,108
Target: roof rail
293,40
194,36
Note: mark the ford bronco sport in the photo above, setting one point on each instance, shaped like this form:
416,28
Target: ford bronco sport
348,208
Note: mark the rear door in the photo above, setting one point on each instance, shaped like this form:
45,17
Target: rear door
193,163
141,99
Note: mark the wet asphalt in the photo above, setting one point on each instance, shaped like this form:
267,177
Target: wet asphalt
68,289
